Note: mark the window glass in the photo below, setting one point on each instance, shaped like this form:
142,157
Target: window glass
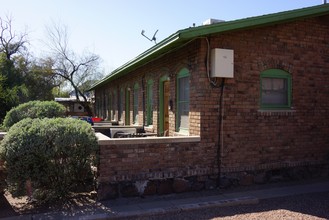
97,106
104,106
101,107
275,89
127,110
135,109
113,105
108,107
149,110
183,102
121,101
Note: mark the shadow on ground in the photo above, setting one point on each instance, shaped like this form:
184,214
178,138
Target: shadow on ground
5,208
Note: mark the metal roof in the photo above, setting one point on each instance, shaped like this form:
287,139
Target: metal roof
181,37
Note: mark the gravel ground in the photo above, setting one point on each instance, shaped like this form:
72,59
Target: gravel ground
307,206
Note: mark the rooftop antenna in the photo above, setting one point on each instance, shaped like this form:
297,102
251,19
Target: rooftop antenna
150,39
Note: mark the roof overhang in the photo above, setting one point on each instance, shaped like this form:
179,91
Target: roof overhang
181,37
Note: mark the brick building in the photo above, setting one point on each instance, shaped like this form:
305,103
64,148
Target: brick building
252,94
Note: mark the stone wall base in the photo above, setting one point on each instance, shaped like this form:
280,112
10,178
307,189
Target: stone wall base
245,178
206,182
155,187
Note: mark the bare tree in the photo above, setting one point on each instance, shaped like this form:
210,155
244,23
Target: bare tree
10,42
74,69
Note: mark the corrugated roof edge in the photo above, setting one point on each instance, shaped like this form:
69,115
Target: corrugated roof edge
182,36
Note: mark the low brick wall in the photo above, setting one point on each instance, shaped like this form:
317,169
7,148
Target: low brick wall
164,165
147,166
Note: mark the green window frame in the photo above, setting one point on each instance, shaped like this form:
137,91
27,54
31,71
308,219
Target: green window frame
98,105
127,110
109,106
162,80
120,105
183,101
135,103
275,89
149,102
103,108
113,105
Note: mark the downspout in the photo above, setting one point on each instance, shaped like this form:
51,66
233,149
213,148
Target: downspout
220,130
214,84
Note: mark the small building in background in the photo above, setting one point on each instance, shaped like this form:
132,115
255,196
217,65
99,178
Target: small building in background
74,106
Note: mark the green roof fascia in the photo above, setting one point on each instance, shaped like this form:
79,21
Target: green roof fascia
252,22
182,36
167,44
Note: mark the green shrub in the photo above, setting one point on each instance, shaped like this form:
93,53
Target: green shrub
54,154
33,109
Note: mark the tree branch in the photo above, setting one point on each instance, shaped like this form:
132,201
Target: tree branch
10,42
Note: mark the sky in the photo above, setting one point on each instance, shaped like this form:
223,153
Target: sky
112,28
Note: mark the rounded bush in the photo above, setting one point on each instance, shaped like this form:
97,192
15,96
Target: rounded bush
33,109
55,155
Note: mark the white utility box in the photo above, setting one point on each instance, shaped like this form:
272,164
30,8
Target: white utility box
222,63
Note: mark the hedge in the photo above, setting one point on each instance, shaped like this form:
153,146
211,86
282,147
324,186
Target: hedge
55,155
33,109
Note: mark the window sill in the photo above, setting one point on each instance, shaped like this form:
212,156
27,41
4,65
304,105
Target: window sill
182,134
269,112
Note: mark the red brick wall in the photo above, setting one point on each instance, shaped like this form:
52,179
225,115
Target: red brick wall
251,139
153,161
254,138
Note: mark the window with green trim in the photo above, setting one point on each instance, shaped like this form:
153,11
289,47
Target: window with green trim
109,107
120,106
183,101
98,105
135,103
149,102
113,105
103,110
127,110
275,89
